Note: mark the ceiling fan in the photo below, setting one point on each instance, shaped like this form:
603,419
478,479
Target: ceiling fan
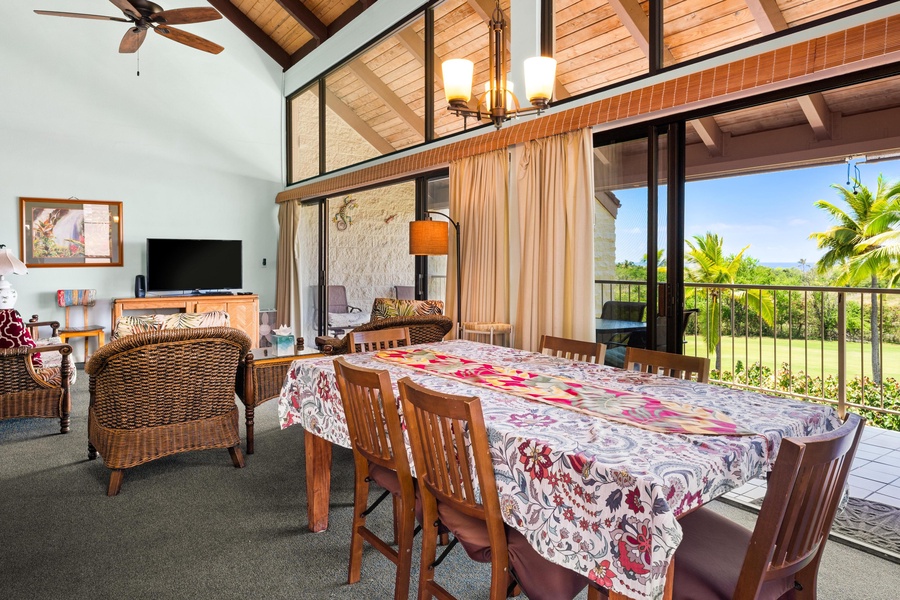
144,15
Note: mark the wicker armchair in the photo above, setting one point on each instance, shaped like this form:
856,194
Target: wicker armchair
163,392
422,330
30,392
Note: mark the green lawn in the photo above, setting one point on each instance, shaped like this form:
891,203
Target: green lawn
814,357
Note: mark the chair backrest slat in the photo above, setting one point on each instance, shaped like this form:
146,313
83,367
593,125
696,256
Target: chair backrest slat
373,418
666,363
593,352
379,339
804,490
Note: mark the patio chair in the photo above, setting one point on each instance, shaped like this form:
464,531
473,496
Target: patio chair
592,352
405,292
163,392
438,425
379,455
342,316
667,363
378,339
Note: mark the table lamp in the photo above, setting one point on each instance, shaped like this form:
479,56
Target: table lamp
9,264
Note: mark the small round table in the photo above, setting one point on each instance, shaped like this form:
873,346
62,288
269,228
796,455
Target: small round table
488,329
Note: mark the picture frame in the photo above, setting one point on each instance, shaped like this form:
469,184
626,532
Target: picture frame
70,233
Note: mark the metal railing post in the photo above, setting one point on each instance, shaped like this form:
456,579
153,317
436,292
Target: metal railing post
842,356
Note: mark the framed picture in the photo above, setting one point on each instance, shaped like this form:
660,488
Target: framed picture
70,233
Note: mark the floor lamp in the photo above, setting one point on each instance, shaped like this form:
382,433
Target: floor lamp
432,238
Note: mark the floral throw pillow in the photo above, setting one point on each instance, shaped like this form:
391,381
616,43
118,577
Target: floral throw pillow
130,325
216,318
391,307
14,334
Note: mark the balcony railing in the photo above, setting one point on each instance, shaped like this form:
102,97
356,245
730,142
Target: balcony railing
818,345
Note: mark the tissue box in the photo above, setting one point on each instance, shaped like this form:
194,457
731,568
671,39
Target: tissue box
284,345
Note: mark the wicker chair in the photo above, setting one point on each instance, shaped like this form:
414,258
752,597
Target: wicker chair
163,392
29,392
422,330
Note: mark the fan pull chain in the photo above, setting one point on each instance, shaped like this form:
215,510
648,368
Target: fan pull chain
138,54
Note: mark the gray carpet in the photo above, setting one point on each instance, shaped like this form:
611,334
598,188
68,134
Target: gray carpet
193,527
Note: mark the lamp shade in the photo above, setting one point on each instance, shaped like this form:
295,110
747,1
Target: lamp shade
540,74
10,264
429,238
457,80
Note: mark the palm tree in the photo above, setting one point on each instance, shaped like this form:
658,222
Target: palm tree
863,245
708,264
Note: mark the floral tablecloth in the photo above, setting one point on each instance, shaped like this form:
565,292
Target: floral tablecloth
598,497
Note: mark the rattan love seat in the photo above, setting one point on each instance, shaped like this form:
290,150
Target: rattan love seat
163,392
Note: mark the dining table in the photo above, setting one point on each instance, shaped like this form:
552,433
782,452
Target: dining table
594,464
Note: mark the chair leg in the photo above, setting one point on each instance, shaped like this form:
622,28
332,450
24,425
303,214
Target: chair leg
248,419
594,593
237,457
405,522
360,498
429,553
115,482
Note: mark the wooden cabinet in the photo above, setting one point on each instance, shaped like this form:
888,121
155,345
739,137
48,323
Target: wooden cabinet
243,310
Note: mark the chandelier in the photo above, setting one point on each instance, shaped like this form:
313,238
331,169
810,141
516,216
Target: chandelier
498,103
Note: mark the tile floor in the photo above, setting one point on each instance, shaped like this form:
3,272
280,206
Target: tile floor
875,474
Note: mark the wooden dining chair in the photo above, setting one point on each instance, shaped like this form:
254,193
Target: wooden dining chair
379,454
593,352
721,560
667,363
438,425
379,339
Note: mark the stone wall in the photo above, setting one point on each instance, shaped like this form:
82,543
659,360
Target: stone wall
371,255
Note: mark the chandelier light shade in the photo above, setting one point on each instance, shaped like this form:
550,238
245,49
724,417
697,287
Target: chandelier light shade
429,238
498,104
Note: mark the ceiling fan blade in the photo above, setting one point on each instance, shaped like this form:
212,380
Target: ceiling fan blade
133,39
188,39
126,7
182,16
54,13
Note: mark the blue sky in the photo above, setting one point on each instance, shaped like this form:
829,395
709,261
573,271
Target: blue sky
772,212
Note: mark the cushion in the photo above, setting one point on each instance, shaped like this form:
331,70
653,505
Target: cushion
14,334
383,308
128,325
215,318
709,559
540,579
351,319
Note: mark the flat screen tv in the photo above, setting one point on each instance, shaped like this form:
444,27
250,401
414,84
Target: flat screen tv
175,265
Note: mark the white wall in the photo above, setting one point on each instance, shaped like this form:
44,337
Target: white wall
192,147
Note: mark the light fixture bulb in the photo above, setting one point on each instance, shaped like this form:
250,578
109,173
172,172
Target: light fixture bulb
458,81
540,75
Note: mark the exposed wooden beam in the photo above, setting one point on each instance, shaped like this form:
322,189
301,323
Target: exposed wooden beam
392,100
601,156
349,116
307,19
252,31
348,15
711,134
767,15
415,46
637,23
303,51
818,114
770,19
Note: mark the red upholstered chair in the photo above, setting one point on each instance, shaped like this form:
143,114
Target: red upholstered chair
438,424
27,388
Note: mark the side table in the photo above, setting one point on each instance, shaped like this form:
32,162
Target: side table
262,378
488,329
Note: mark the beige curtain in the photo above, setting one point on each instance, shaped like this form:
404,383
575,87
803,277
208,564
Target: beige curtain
556,232
287,284
478,202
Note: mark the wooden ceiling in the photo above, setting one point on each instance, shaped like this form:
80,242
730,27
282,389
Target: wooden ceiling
597,43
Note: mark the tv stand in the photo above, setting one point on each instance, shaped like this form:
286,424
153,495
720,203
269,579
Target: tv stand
243,310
